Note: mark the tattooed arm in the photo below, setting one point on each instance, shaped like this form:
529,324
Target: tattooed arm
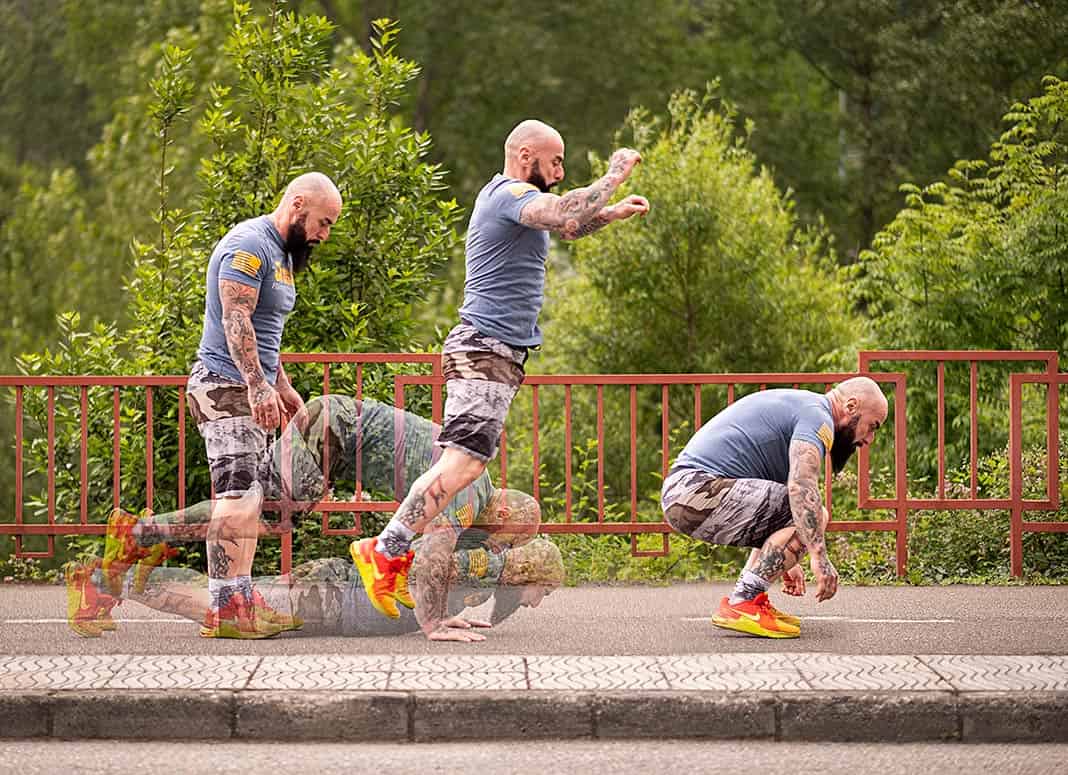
238,303
584,210
434,569
804,491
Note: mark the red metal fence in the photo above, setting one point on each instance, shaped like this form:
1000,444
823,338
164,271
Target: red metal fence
621,517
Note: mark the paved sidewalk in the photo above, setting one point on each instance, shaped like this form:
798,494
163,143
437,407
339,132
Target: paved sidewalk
876,664
780,696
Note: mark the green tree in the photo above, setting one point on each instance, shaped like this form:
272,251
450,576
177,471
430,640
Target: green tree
719,276
979,262
288,103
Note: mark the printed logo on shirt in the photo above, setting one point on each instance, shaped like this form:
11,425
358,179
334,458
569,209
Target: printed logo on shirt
518,189
246,263
281,274
826,436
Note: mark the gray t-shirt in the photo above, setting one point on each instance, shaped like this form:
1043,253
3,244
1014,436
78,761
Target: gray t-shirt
750,439
505,283
251,253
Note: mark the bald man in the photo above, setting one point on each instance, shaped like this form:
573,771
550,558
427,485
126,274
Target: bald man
483,357
238,389
750,477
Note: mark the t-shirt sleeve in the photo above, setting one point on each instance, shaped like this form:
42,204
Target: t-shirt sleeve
511,198
816,426
246,263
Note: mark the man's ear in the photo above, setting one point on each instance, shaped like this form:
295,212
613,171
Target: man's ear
298,203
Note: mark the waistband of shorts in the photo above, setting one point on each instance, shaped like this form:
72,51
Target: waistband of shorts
525,349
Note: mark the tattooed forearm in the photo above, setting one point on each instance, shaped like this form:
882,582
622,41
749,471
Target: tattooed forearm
434,567
576,209
804,491
574,230
238,304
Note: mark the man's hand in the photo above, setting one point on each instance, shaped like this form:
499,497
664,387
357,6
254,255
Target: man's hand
266,405
291,400
624,161
793,581
449,633
465,624
826,576
632,205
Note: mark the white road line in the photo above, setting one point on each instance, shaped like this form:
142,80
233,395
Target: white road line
845,619
117,621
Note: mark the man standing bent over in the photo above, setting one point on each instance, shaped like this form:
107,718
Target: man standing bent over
238,390
483,357
750,477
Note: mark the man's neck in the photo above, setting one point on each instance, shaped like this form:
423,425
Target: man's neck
279,223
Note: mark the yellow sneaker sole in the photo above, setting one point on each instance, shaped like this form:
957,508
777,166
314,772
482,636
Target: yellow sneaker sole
749,627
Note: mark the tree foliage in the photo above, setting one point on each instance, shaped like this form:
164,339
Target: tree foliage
720,276
286,103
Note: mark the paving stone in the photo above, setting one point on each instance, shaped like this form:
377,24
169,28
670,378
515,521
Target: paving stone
1036,717
890,717
322,716
143,715
26,714
685,714
502,715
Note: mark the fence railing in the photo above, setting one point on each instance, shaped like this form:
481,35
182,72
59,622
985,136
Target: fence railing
670,399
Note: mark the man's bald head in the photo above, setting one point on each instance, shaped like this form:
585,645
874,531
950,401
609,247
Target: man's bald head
865,390
530,133
534,152
860,409
309,208
314,186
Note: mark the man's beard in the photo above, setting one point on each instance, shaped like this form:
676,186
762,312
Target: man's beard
844,446
297,244
535,178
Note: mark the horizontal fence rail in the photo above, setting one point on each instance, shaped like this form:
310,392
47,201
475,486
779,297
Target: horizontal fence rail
559,435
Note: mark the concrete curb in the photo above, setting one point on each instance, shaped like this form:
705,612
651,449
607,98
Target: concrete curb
869,716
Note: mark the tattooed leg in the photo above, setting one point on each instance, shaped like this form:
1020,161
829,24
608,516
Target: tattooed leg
185,600
430,493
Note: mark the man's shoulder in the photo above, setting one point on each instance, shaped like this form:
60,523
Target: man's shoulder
253,236
502,190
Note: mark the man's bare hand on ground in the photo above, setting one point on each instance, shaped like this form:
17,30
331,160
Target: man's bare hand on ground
454,634
464,624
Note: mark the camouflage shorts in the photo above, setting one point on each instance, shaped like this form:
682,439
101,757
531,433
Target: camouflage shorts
730,512
482,376
237,447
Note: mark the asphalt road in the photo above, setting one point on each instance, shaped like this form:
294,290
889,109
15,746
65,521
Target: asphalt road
604,620
30,758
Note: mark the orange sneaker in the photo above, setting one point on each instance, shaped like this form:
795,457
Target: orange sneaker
121,550
237,619
753,617
88,611
380,575
401,593
784,617
272,616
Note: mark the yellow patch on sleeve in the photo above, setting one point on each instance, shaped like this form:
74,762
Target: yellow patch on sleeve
246,263
518,189
465,515
826,436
